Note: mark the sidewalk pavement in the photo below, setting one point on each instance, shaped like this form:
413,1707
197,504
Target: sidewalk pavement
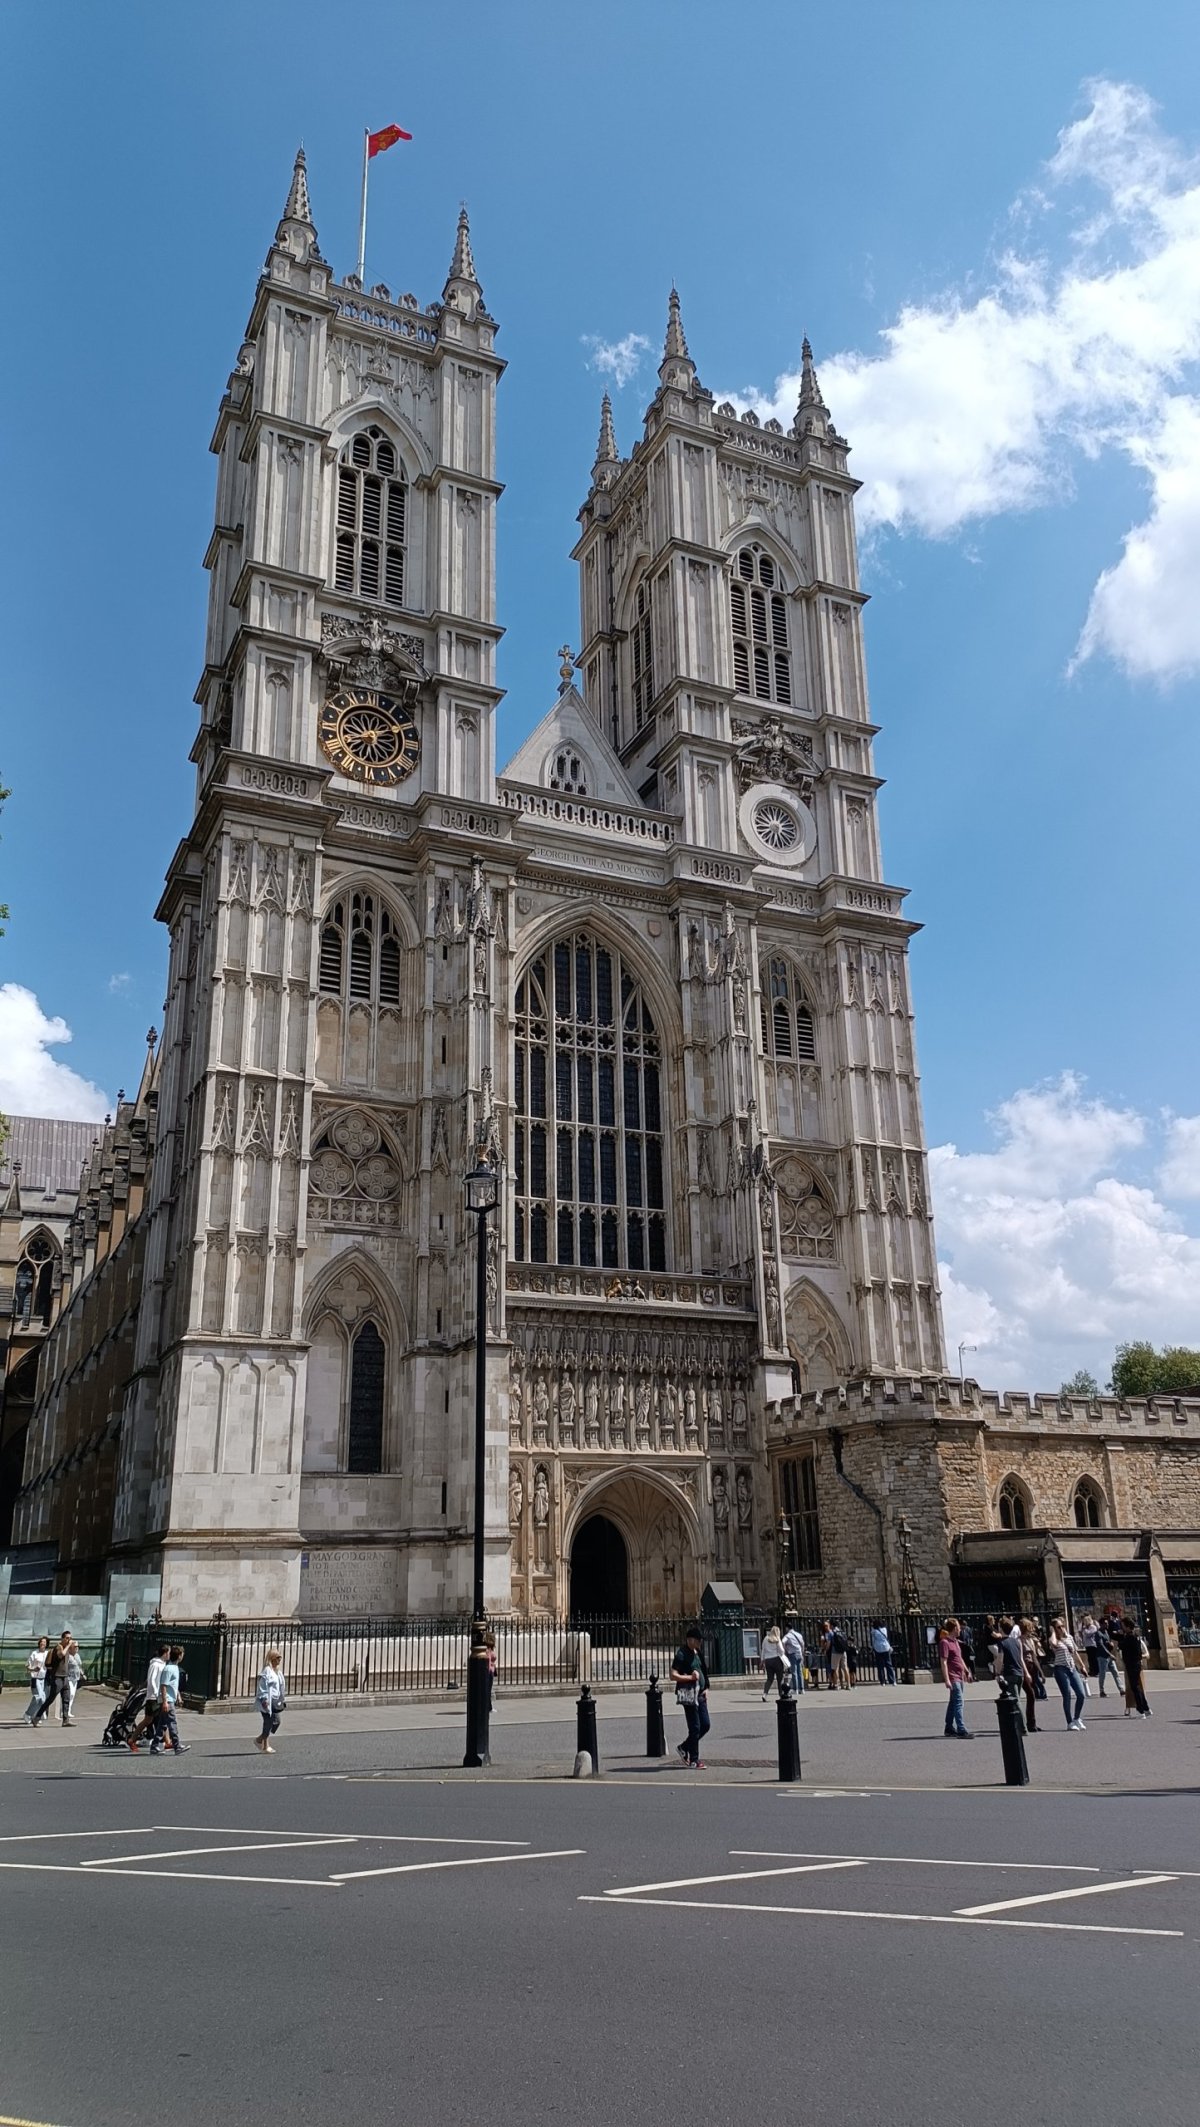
873,1737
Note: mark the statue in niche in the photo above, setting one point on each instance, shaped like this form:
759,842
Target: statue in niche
745,1500
541,1412
667,1422
491,1272
516,1395
720,1504
771,1296
541,1515
641,1409
616,1407
691,1431
591,1412
716,1413
739,1412
566,1409
516,1497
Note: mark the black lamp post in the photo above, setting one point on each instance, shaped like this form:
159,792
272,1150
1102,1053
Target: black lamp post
482,1193
786,1602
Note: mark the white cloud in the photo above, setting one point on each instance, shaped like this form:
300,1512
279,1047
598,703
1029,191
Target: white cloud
118,983
1179,1174
618,359
1052,1256
983,398
32,1082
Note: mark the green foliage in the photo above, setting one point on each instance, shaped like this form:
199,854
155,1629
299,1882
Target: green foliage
1081,1383
1139,1370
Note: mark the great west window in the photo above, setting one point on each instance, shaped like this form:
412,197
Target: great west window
588,1160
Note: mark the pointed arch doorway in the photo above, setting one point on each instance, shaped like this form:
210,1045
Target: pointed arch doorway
599,1570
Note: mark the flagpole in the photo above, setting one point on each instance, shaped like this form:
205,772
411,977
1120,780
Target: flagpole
362,210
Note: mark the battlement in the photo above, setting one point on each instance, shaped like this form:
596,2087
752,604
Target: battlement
943,1399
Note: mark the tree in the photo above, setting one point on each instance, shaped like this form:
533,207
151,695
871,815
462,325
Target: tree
1139,1370
1081,1383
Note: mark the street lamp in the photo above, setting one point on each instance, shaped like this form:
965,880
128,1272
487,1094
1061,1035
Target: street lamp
482,1189
961,1349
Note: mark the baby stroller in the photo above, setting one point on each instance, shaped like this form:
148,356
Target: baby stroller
123,1721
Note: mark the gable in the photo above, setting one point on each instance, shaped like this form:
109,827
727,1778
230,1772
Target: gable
568,728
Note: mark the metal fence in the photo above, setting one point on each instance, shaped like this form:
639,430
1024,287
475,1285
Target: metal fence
342,1656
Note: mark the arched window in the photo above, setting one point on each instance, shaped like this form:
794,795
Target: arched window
364,1433
360,951
789,1034
588,1161
1013,1504
33,1284
568,773
762,666
641,653
372,511
1087,1505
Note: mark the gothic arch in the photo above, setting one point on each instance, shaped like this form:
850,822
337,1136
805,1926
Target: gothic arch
397,905
1014,1503
816,1336
361,413
611,929
584,785
593,1500
381,1299
1089,1504
753,530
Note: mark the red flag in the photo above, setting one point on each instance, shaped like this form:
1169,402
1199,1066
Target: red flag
377,142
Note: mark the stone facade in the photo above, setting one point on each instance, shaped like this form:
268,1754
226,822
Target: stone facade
653,970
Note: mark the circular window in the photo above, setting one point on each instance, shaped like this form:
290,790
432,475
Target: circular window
778,827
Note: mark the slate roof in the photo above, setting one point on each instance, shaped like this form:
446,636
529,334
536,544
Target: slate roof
51,1154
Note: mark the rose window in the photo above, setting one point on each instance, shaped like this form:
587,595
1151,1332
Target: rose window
776,824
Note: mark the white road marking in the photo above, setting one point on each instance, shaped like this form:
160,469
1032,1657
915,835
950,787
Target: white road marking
133,1831
259,1846
261,1831
822,1912
1079,1890
477,1861
923,1861
63,1868
685,1883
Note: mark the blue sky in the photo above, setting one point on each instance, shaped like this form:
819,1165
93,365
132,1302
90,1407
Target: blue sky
988,222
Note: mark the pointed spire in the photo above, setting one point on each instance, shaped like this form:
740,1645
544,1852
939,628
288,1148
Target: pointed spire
812,414
677,368
676,344
297,208
463,264
608,458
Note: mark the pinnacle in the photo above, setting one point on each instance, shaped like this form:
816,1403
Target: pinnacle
676,344
606,449
810,390
297,208
462,266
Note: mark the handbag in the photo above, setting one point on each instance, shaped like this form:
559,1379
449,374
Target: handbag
687,1694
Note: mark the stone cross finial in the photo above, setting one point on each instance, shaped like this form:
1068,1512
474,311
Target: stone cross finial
566,670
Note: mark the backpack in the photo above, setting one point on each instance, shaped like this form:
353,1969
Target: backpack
837,1642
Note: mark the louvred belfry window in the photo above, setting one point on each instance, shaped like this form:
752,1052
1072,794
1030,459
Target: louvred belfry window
360,952
589,1165
789,1034
641,651
762,665
372,512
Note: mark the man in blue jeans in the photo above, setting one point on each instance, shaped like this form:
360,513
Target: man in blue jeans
168,1700
954,1676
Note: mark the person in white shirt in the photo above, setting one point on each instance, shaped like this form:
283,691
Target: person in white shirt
271,1697
149,1723
883,1653
36,1665
75,1674
1066,1671
793,1647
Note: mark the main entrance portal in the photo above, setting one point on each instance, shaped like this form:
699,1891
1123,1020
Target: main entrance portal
599,1570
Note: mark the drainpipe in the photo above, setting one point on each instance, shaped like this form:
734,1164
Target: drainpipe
837,1442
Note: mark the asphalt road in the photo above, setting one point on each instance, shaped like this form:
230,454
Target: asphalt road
254,1941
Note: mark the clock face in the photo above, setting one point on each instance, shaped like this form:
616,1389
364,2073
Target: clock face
369,736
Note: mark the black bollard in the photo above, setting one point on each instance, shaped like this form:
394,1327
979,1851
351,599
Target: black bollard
789,1735
656,1740
585,1726
1008,1713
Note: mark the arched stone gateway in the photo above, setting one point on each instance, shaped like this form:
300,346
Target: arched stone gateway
634,1522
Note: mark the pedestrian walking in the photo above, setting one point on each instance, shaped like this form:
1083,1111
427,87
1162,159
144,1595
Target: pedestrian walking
1032,1656
883,1652
1105,1665
690,1679
990,1636
36,1665
152,1704
1134,1655
1088,1629
839,1666
774,1662
271,1698
168,1728
1065,1656
794,1650
954,1677
1010,1659
75,1675
56,1681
